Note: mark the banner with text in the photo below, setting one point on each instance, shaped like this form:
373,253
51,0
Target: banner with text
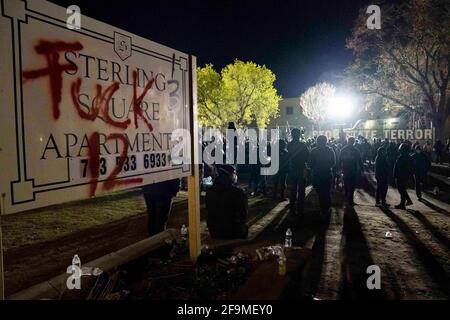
420,135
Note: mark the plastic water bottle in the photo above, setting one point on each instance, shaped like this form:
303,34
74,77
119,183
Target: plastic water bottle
288,239
76,261
282,264
183,233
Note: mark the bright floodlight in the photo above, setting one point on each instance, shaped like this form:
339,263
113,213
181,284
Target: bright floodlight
340,106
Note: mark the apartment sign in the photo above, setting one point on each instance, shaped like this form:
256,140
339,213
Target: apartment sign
84,111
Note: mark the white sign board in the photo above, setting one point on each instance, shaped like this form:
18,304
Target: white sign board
84,112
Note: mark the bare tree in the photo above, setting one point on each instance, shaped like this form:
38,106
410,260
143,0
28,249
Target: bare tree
314,101
407,61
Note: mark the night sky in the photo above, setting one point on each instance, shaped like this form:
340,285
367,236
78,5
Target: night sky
301,41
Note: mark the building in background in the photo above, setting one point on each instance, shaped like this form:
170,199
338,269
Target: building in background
290,116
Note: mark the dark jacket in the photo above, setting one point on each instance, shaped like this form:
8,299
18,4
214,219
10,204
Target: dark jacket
227,211
298,156
404,167
284,161
164,190
321,161
350,161
422,163
381,167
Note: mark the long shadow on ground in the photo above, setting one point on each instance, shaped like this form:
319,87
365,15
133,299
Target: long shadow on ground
433,268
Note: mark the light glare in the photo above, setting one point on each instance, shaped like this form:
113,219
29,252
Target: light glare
340,106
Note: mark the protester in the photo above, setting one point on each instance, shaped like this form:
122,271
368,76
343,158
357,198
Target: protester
255,172
226,206
158,198
374,150
428,149
403,171
336,173
382,175
298,156
392,155
321,161
280,177
351,164
365,151
439,151
421,165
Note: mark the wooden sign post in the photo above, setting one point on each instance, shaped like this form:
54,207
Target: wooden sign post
2,274
193,179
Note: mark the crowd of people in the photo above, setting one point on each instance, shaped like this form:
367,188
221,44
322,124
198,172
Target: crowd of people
323,163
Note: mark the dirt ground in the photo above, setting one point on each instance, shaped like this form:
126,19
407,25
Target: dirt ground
414,264
32,260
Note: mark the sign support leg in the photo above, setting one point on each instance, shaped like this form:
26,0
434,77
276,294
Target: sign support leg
2,274
193,179
194,215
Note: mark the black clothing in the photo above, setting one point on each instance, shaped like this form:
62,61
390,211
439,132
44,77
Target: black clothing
382,173
227,211
421,166
403,171
298,156
402,187
158,199
350,161
281,175
391,155
438,149
351,164
381,167
321,161
404,167
421,163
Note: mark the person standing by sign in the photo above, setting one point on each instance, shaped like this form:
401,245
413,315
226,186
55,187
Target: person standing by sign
158,198
403,171
352,166
321,161
421,165
382,173
298,156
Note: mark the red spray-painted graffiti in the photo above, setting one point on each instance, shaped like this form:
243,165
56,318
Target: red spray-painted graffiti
51,51
94,163
54,70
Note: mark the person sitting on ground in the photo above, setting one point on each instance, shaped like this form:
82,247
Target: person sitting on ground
421,165
403,171
382,175
227,206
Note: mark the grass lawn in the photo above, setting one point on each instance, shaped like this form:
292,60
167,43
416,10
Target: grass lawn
34,226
